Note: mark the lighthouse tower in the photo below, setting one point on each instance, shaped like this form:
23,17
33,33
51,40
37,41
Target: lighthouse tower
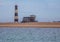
16,14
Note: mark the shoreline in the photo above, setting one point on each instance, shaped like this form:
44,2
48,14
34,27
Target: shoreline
32,25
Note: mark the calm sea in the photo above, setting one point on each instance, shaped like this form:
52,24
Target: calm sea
29,34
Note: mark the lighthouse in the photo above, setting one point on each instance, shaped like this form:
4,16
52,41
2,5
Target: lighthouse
16,14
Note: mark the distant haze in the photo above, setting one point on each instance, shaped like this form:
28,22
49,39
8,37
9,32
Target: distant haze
45,10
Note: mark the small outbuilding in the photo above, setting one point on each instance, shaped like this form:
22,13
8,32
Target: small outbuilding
29,19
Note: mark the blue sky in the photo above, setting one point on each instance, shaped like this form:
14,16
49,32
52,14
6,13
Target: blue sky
45,10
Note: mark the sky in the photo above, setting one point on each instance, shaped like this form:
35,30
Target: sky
45,10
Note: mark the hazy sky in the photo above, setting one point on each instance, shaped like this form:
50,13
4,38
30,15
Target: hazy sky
45,10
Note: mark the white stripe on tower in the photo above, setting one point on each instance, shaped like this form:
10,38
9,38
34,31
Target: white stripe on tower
16,14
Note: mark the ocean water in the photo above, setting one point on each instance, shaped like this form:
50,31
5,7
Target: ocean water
29,34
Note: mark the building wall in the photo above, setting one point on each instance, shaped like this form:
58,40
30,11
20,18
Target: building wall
28,19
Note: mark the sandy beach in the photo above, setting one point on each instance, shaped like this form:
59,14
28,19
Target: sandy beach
32,25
